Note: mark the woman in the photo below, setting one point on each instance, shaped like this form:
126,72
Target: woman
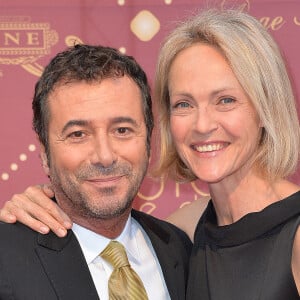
228,118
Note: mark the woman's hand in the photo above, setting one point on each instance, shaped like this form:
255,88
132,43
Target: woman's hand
35,209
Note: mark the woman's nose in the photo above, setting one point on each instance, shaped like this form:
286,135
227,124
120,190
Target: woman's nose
205,120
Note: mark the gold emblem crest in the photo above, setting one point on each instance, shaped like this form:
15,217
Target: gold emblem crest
23,43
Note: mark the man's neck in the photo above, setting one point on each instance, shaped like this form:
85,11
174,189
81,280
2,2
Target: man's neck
109,228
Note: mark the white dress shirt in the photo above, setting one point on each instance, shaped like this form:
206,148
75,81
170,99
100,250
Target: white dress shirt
141,256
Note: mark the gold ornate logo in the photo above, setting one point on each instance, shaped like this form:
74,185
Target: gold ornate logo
243,6
23,43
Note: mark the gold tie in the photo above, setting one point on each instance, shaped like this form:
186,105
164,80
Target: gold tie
124,283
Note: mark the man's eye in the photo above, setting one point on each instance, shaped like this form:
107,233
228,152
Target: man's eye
123,130
76,134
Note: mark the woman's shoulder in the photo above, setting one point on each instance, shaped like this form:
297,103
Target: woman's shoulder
187,217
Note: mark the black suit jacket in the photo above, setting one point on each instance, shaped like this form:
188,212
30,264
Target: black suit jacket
44,267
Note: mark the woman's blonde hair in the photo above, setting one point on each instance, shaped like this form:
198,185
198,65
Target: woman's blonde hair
259,67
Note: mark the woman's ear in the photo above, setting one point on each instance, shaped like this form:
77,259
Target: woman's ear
44,159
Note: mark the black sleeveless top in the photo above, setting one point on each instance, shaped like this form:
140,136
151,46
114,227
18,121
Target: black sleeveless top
247,260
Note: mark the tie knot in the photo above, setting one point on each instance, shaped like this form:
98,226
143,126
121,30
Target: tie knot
115,254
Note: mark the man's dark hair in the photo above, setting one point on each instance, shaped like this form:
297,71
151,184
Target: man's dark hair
87,63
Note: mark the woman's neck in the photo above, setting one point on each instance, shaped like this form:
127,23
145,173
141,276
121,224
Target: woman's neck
233,199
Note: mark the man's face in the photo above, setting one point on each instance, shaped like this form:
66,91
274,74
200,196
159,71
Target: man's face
97,147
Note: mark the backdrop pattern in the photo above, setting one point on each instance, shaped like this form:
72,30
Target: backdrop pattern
33,31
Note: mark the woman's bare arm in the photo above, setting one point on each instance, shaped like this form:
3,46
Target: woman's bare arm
35,209
187,217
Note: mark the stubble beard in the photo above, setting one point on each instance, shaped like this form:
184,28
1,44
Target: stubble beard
84,204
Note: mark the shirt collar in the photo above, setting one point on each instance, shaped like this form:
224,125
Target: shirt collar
92,244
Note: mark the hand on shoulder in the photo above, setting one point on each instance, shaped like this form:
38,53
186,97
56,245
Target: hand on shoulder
35,209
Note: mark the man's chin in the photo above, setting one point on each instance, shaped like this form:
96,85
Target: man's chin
103,213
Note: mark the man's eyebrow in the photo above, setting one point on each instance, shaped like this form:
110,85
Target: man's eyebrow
72,123
124,120
116,120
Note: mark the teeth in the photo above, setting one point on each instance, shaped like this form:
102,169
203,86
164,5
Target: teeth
209,148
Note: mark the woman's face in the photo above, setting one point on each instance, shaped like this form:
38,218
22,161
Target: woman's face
214,125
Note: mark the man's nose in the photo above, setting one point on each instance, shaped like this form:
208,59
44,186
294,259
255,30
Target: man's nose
103,152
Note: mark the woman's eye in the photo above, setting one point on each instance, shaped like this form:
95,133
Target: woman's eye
182,105
227,100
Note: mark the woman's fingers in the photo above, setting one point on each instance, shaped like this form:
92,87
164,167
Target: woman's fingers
35,209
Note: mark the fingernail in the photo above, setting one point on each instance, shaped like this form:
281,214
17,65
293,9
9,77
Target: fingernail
62,232
11,218
67,224
44,230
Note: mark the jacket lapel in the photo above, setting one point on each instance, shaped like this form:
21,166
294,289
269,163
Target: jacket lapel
170,261
66,267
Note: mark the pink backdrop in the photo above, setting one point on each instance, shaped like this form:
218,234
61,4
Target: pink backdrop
31,32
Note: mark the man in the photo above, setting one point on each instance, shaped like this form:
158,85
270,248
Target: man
92,115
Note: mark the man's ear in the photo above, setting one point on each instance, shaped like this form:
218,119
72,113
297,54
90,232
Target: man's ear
44,159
